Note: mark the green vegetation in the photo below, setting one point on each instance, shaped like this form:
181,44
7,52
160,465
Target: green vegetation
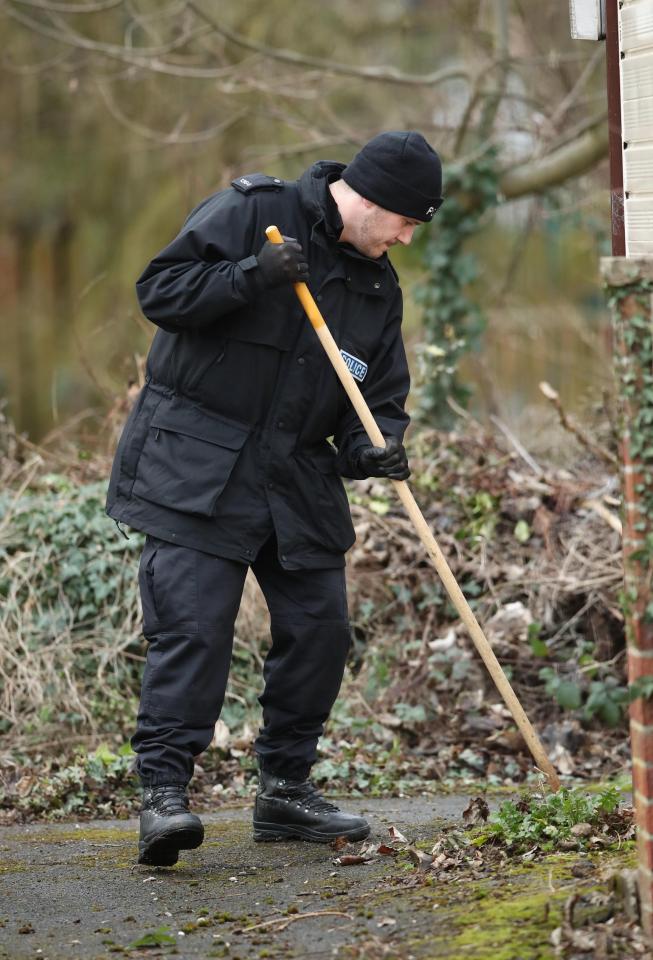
155,938
100,782
452,321
69,609
546,821
416,712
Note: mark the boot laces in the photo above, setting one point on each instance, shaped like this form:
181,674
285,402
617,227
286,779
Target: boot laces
169,798
309,796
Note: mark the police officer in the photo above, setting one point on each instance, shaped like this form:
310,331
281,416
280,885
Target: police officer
232,457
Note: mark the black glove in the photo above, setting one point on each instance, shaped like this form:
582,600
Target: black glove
389,461
282,263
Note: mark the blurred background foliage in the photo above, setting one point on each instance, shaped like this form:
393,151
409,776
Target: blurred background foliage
120,115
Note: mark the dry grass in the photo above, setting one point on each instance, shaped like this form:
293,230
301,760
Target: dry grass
65,668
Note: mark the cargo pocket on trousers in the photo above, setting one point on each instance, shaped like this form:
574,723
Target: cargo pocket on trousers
145,576
188,457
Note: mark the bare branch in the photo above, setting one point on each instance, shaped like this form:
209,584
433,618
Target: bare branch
28,69
587,123
175,136
125,55
72,7
571,99
565,105
570,160
67,35
382,74
574,428
476,94
502,54
175,8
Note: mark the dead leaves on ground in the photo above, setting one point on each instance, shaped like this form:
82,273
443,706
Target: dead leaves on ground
452,850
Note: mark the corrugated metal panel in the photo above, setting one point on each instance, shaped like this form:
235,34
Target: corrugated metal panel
637,25
639,221
637,119
637,76
636,48
638,168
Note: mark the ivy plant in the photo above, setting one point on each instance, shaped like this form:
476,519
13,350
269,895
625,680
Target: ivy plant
453,322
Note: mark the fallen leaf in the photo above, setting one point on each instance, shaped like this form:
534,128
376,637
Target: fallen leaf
476,811
397,835
389,720
386,851
386,922
244,741
24,785
443,643
221,735
368,850
350,860
339,843
419,858
581,829
562,760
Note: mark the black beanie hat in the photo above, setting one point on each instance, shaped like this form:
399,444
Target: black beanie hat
399,171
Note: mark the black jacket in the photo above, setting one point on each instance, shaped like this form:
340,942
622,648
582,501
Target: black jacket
228,440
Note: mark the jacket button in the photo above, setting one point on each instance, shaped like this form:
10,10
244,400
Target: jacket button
281,424
300,360
319,298
270,486
348,279
284,557
377,285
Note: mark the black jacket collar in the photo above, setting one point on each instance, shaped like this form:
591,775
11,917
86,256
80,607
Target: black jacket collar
323,211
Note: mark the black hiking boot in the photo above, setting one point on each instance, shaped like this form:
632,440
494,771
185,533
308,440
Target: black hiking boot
167,825
295,808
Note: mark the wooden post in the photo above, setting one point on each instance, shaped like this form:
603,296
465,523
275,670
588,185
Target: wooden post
629,284
615,136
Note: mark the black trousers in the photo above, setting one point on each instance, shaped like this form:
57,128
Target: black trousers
190,601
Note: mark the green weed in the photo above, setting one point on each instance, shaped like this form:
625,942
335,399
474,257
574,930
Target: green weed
545,821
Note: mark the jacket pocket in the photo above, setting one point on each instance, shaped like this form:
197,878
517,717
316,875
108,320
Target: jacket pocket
188,457
322,500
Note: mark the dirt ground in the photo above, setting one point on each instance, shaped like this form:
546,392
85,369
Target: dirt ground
75,891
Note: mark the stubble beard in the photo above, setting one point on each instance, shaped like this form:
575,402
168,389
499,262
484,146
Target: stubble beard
368,242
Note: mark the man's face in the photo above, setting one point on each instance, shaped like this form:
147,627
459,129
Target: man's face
376,230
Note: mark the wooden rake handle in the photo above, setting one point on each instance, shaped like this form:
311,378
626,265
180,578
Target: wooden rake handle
403,491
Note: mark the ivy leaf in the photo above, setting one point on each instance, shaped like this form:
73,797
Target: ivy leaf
610,713
538,646
642,687
568,695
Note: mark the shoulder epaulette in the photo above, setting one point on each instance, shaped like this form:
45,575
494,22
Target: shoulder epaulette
251,182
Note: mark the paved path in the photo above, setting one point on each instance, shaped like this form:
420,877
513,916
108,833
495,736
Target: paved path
75,891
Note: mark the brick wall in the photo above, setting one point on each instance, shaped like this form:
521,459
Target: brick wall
630,287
